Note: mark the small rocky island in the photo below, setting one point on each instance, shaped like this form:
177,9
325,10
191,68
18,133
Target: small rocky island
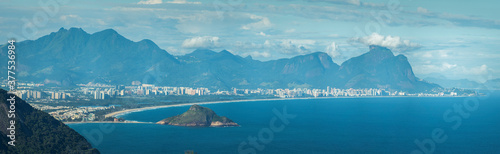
198,116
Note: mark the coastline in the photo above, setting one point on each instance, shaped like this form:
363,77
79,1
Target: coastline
102,122
123,112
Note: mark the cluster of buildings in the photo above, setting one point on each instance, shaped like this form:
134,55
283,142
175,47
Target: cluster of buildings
152,90
29,94
59,95
67,113
328,92
105,92
37,94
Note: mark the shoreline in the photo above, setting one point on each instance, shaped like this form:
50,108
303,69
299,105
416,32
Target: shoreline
103,122
127,111
123,112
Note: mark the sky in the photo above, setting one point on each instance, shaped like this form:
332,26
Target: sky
453,39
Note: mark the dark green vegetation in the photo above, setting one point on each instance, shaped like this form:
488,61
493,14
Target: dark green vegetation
38,132
73,56
198,116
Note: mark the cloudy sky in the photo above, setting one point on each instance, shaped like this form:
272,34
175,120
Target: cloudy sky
456,39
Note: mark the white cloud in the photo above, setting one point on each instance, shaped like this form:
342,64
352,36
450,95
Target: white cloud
394,43
300,41
333,35
175,51
439,54
256,54
374,5
182,2
447,66
128,9
483,69
354,2
248,45
290,30
443,53
171,2
262,23
332,50
201,42
434,68
204,21
268,44
262,34
427,55
65,17
150,2
293,46
422,10
452,70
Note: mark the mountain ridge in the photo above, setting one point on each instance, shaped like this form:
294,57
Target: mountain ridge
71,56
379,68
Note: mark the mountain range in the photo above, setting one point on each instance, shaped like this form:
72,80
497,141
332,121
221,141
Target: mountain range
449,83
71,56
461,83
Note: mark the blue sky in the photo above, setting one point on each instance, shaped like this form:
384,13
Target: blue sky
456,39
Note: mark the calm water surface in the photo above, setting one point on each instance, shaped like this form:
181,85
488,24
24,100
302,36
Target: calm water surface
341,125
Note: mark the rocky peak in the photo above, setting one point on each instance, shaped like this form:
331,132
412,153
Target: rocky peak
195,108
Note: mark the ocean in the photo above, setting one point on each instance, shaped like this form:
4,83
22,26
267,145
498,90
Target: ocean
334,125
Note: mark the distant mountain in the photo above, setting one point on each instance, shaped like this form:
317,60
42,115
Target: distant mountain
208,68
198,116
311,70
37,131
379,68
493,84
73,56
449,83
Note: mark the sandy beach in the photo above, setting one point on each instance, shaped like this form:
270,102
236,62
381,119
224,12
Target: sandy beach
117,113
137,122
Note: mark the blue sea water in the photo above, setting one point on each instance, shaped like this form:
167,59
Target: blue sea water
338,125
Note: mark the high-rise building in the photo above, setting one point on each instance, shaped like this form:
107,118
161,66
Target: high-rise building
57,95
97,95
103,95
38,94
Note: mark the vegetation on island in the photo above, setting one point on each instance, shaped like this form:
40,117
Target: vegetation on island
198,116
